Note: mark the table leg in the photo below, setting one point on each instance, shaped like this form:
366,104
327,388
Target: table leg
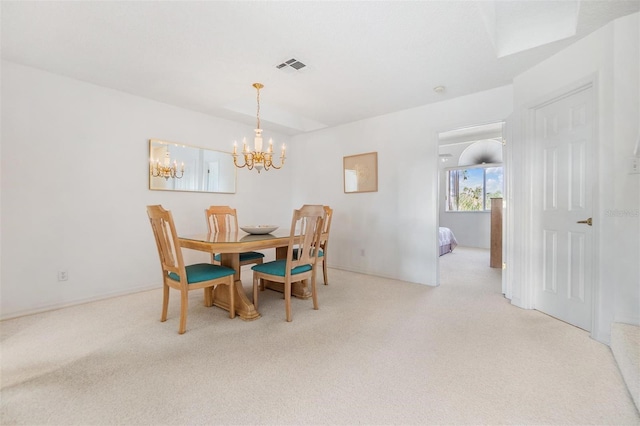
244,307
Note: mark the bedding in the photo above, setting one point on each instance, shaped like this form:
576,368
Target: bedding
447,240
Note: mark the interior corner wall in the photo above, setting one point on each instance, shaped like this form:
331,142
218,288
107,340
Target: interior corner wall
624,213
392,232
74,189
611,55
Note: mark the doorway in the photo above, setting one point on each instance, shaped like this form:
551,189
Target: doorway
471,174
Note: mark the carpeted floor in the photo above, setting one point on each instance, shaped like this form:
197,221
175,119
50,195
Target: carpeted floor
377,352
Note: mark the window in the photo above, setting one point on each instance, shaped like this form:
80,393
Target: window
472,188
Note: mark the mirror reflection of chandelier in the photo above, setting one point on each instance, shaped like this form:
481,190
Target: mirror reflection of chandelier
257,158
166,169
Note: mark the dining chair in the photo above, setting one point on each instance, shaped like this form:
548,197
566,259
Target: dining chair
305,234
324,243
224,219
184,278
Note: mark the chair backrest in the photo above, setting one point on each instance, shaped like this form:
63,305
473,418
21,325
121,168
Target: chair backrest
328,213
166,236
306,231
221,219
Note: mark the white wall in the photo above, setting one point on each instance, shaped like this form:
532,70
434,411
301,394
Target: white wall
624,216
75,186
396,226
611,54
470,229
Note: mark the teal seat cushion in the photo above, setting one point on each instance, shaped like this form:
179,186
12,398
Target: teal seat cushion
295,253
203,272
278,267
249,255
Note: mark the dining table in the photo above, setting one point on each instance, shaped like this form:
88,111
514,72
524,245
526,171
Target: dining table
230,245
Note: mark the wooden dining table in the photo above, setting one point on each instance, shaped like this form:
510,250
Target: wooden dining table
230,245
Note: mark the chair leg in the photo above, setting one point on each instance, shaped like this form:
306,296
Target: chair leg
324,271
232,297
165,302
184,304
314,291
287,298
255,292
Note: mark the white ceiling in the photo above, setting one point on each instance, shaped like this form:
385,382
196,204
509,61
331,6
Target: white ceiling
364,58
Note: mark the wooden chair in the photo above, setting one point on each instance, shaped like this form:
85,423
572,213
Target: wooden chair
308,221
184,278
324,243
224,219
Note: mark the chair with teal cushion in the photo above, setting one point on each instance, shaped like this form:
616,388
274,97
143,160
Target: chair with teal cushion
184,278
305,235
245,258
324,243
224,219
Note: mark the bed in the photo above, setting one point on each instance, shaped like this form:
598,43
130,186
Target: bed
447,240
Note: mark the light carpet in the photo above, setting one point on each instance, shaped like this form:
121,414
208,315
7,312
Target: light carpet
377,352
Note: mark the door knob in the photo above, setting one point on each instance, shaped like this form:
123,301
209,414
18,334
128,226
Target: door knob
588,221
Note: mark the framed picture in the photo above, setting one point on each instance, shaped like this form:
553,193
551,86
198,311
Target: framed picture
360,173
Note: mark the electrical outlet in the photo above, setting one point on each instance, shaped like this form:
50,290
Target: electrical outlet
63,275
634,165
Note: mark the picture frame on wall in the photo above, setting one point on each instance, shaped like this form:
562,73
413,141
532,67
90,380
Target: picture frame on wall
360,173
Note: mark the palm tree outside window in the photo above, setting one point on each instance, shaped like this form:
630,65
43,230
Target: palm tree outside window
470,189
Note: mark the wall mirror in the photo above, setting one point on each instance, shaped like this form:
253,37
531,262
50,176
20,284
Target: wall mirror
179,167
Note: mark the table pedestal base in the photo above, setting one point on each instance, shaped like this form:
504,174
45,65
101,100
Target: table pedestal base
244,307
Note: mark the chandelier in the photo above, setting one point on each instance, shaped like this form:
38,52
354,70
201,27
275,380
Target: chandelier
166,169
257,158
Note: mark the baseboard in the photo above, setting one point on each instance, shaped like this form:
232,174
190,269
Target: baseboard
55,306
625,345
364,272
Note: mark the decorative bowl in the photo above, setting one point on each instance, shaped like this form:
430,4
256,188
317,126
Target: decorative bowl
259,229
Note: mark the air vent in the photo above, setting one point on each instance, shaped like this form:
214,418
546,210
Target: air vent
291,63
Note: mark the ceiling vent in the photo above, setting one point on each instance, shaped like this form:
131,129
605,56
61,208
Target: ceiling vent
291,63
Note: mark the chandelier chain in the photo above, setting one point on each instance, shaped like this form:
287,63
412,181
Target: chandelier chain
258,86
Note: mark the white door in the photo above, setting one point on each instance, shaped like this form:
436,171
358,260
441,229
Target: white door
564,138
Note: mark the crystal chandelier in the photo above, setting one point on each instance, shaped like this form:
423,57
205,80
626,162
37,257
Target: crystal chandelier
166,169
257,158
